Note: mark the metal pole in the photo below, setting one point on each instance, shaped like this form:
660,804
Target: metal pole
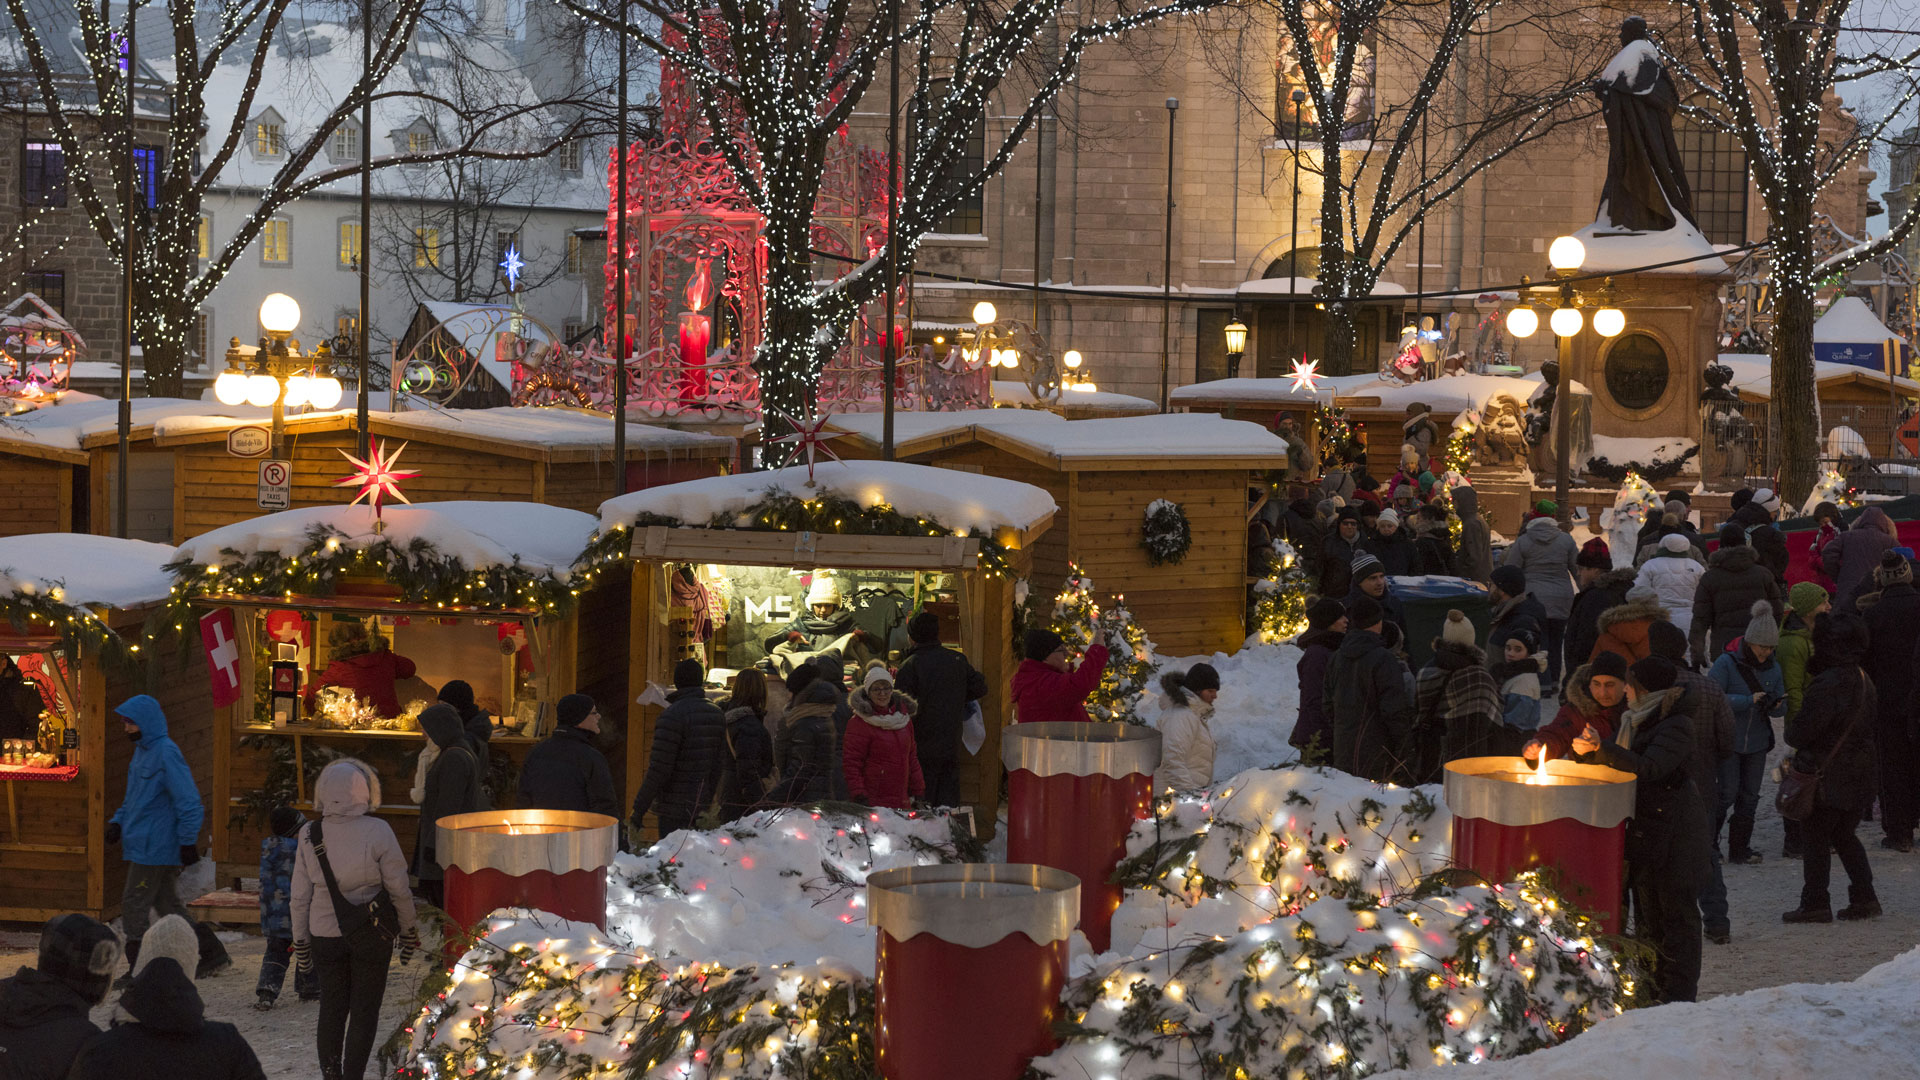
1039,161
1293,236
1166,265
620,271
127,234
366,220
1420,270
1563,426
889,351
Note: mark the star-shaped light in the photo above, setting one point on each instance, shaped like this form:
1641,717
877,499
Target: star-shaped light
810,438
512,265
1303,375
376,477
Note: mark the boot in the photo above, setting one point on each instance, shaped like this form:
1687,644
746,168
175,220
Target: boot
1804,914
1740,842
133,957
1861,904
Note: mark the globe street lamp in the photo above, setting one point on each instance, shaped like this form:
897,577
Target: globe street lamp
1236,346
1565,256
275,373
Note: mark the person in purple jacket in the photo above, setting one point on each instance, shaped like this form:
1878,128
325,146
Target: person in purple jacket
1326,628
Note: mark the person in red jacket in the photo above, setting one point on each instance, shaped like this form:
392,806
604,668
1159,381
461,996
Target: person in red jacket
364,664
879,759
1594,699
1044,688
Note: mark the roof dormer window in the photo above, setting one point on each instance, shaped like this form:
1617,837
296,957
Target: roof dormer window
269,135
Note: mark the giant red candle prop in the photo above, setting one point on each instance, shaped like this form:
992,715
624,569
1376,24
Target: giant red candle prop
1074,791
972,958
696,332
553,860
1510,816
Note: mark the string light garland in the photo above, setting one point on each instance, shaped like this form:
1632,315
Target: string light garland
1280,597
31,608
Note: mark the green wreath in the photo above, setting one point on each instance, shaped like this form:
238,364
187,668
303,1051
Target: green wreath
1165,533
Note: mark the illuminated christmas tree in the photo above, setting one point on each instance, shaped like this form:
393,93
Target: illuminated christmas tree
1280,598
1080,622
1832,488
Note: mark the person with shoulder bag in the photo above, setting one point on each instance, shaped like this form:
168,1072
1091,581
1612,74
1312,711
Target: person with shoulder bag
351,907
1828,783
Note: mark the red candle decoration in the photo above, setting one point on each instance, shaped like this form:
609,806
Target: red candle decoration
553,860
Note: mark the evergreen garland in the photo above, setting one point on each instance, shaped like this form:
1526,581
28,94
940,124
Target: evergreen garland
781,511
30,609
1165,533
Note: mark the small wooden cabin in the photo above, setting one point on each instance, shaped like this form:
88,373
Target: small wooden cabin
953,545
1072,404
492,600
1104,474
52,859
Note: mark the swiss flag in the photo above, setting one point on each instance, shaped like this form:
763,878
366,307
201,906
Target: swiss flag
223,655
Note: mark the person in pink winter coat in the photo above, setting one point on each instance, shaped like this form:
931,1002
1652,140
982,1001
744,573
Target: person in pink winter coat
1045,689
878,756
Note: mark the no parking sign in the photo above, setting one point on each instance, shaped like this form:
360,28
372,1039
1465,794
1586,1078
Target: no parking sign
276,485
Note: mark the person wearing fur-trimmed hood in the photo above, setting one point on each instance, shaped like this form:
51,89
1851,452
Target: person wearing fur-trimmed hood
878,756
1186,741
160,1029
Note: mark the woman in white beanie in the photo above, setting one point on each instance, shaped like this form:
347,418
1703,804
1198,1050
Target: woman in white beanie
824,633
1457,704
1674,575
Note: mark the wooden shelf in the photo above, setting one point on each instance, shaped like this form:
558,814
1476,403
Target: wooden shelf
309,731
306,804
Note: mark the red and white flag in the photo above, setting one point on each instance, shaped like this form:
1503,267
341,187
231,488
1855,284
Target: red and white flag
223,655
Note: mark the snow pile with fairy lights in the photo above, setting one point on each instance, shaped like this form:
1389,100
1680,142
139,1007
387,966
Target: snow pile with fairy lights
1289,923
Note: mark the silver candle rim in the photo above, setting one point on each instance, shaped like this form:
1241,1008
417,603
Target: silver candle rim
590,843
1470,793
1046,914
1074,748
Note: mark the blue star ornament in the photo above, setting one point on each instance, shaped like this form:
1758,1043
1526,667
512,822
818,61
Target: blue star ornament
512,265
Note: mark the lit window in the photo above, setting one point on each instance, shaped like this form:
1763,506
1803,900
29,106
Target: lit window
420,142
204,232
269,138
350,245
576,254
276,241
346,144
426,247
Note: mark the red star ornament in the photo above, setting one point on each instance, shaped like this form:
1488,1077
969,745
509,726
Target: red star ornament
810,439
377,477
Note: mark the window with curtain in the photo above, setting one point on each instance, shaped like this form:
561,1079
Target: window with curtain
350,240
276,241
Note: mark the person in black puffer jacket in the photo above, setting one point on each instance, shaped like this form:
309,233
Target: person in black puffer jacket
1366,700
1337,550
750,748
1391,545
808,746
567,771
1326,627
160,1029
1832,734
1669,842
1755,519
1723,601
43,1009
688,756
944,682
1601,587
1891,615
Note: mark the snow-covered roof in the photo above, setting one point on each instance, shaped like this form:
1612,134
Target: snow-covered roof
1170,441
534,537
1850,321
525,426
914,427
103,570
1610,250
1446,394
477,328
64,431
1753,374
1008,392
959,501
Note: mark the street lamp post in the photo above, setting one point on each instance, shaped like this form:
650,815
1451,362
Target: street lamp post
1236,346
1565,256
1166,264
1293,235
276,373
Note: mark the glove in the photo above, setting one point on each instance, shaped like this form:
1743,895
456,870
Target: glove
795,636
113,832
303,955
409,944
189,854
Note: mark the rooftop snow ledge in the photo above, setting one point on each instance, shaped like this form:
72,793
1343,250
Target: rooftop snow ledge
88,570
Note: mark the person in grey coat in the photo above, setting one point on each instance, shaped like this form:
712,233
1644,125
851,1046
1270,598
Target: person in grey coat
1549,558
1475,558
1850,558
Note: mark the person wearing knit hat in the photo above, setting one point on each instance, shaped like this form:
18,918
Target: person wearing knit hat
44,1008
1767,500
160,1030
1594,553
1756,691
1334,573
1389,518
1312,732
687,756
1364,613
1655,743
1047,687
878,756
1365,565
1370,581
1891,619
566,770
1665,640
1457,629
824,632
1392,543
1367,704
1456,703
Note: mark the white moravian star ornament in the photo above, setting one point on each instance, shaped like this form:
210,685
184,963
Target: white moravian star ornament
1304,374
808,438
377,478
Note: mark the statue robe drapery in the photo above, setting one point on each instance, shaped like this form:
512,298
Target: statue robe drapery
1646,188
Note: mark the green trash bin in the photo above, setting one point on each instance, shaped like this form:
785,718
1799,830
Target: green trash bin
1426,600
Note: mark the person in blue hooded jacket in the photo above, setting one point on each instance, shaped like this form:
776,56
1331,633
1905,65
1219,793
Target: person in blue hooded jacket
158,823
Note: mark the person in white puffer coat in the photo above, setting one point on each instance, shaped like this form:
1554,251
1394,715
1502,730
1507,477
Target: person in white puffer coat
1186,742
1673,574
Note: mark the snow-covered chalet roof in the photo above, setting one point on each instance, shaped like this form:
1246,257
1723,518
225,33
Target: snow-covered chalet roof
64,432
1169,441
1753,375
1009,392
928,430
538,429
102,570
959,501
1446,394
1851,322
537,538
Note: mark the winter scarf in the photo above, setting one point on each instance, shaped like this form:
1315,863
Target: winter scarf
897,714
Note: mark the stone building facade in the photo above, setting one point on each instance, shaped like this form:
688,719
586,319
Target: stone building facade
1101,169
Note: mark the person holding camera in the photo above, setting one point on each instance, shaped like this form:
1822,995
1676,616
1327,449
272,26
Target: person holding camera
1756,689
